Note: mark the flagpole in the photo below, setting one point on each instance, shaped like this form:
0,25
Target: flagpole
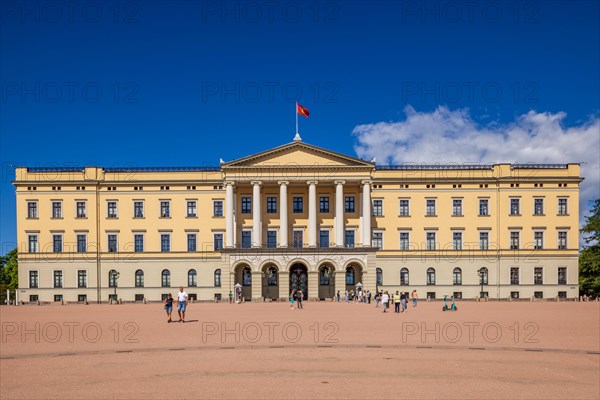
296,112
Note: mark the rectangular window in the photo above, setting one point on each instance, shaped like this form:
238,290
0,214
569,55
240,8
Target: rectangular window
81,279
514,240
112,243
484,240
218,241
56,209
404,210
58,297
514,276
562,206
324,239
457,295
298,239
515,208
33,279
538,240
457,207
538,276
349,204
431,295
138,209
538,295
246,205
58,279
192,209
138,243
562,275
218,208
324,204
81,243
111,209
456,240
377,240
430,208
165,209
271,239
349,238
33,243
271,205
246,239
298,206
514,295
165,242
484,207
81,211
32,209
57,243
378,208
562,240
562,295
82,298
404,241
191,242
430,245
538,206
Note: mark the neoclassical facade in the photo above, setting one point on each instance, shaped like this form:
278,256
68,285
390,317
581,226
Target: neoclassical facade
297,217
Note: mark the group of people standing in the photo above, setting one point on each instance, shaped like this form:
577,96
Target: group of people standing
399,299
296,297
359,296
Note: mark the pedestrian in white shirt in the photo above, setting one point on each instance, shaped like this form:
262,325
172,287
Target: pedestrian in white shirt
182,300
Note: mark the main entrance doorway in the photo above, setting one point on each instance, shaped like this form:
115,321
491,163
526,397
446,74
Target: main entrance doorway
299,279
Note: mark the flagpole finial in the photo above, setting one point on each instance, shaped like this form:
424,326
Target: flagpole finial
297,138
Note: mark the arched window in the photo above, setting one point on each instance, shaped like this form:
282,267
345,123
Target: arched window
247,277
430,276
404,276
483,276
457,276
112,278
166,278
139,278
217,278
379,277
350,276
325,275
192,278
272,276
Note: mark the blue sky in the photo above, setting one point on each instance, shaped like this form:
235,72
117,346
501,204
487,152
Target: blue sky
186,83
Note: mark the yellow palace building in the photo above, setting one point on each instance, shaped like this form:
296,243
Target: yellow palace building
297,217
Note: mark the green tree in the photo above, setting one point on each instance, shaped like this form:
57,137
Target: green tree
9,270
589,258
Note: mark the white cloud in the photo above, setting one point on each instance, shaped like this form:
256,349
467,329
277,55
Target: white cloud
452,136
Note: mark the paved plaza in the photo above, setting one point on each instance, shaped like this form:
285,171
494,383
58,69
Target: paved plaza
326,350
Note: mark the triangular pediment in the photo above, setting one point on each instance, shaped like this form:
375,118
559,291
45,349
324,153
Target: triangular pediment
300,154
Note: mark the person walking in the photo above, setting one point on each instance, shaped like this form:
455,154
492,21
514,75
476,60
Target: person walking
415,297
369,296
385,300
346,296
377,297
403,297
182,301
299,298
396,302
169,307
230,297
338,296
292,294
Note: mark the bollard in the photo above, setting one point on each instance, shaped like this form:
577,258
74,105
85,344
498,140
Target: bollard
144,300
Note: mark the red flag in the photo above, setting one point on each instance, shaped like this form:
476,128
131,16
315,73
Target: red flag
302,111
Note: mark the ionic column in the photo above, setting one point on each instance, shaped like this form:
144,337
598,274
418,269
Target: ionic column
366,204
312,213
229,228
283,214
339,213
256,215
